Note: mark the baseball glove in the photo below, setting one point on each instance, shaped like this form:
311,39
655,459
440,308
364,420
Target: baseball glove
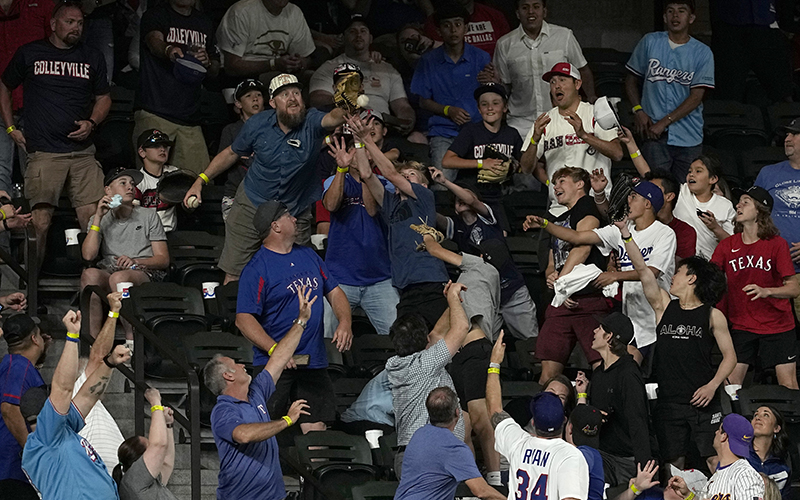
618,208
510,166
347,90
424,229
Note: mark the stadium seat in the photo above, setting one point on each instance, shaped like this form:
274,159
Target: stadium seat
375,490
779,115
195,255
225,307
372,351
207,217
520,204
388,449
525,252
730,125
731,167
755,159
201,347
346,391
517,389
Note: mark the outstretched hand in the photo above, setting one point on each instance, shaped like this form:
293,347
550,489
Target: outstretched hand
499,349
338,150
72,320
644,476
303,296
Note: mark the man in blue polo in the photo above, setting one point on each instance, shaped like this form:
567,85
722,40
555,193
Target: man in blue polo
445,80
285,142
677,70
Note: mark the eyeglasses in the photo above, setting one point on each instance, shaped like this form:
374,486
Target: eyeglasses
246,84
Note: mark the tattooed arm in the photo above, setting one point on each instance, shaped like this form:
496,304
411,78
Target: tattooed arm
96,383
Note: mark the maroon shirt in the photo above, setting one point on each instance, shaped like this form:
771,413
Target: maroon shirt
686,238
25,21
484,28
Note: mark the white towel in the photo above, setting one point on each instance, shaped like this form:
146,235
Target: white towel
576,280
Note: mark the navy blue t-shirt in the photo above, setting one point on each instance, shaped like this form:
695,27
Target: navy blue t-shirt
410,267
471,142
17,375
357,243
597,483
268,291
60,86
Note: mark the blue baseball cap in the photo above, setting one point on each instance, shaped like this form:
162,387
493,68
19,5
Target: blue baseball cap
652,193
547,412
740,434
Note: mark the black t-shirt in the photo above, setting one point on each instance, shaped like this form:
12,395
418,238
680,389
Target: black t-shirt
584,207
160,93
239,171
682,356
471,142
60,86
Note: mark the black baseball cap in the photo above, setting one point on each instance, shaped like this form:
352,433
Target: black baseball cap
586,421
619,326
267,213
761,195
153,137
793,127
17,328
355,18
122,171
346,68
495,88
248,86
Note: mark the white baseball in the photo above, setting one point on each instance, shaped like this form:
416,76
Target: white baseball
362,101
193,202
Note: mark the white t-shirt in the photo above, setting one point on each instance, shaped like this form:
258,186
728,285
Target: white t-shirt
147,196
721,207
738,480
101,429
382,83
658,245
561,148
249,31
543,468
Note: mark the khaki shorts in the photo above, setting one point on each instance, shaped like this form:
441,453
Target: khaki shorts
190,151
241,238
49,173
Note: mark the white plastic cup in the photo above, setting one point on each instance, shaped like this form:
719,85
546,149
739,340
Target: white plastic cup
372,437
318,240
125,288
72,236
210,289
732,390
652,391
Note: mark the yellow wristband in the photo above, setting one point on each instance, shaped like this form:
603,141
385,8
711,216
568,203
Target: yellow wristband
636,108
533,141
635,490
205,178
582,395
112,314
545,222
547,182
11,129
480,165
446,111
156,408
628,239
358,145
690,497
272,349
636,154
4,213
71,335
493,370
344,170
94,228
328,139
288,420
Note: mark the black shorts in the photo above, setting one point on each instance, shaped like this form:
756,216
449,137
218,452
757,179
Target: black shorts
425,299
313,385
677,423
469,370
773,349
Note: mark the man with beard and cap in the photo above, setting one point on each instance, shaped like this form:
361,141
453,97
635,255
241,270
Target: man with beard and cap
26,350
285,141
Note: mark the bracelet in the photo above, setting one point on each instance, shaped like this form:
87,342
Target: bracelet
446,111
635,490
166,51
582,395
169,426
11,129
480,163
533,141
494,365
4,214
669,118
343,170
300,322
358,145
94,123
547,182
108,364
493,370
690,497
288,420
205,178
328,139
636,108
628,239
94,228
74,337
635,155
272,349
112,314
545,222
156,408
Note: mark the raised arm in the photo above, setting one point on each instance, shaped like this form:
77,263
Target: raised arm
334,118
156,456
222,162
494,395
335,192
611,149
368,179
529,157
560,232
464,195
285,349
459,323
656,296
67,369
105,339
626,137
91,244
384,165
96,382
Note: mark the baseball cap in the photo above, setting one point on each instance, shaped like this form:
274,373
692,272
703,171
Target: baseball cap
345,68
740,434
17,328
586,421
761,195
652,193
246,86
355,18
119,172
619,326
495,252
188,70
793,127
282,80
562,68
368,115
32,402
267,213
547,412
151,138
491,87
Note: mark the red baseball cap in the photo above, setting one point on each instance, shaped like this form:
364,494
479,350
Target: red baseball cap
562,68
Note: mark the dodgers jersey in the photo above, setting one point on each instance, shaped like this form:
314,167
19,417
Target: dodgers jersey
736,481
669,75
540,468
561,147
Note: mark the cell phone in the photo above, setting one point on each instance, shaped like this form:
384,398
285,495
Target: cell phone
700,213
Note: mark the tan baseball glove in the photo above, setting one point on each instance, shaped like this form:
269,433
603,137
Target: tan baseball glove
424,229
347,91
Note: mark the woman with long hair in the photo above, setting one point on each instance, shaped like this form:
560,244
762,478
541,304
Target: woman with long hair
761,284
770,448
145,465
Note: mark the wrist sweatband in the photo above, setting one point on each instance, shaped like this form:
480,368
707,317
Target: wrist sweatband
328,139
156,408
446,111
205,178
112,314
494,365
94,228
4,214
636,108
480,164
690,497
73,337
547,182
545,222
11,129
636,154
628,239
533,141
288,420
358,145
493,370
582,395
635,490
344,170
108,364
272,349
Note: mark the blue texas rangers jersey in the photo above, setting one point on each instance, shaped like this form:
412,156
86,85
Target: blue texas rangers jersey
669,74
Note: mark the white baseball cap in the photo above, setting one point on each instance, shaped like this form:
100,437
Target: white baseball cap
281,81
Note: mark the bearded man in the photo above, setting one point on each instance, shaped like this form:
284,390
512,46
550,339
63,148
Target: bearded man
285,142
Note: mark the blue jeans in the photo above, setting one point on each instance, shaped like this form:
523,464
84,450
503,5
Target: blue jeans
439,146
379,301
671,159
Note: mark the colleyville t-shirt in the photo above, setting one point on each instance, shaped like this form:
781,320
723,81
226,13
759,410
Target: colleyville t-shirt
60,86
471,142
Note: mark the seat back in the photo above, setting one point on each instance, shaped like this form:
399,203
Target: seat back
346,391
375,490
320,448
226,305
195,255
201,347
152,300
787,401
388,449
757,158
372,351
519,389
